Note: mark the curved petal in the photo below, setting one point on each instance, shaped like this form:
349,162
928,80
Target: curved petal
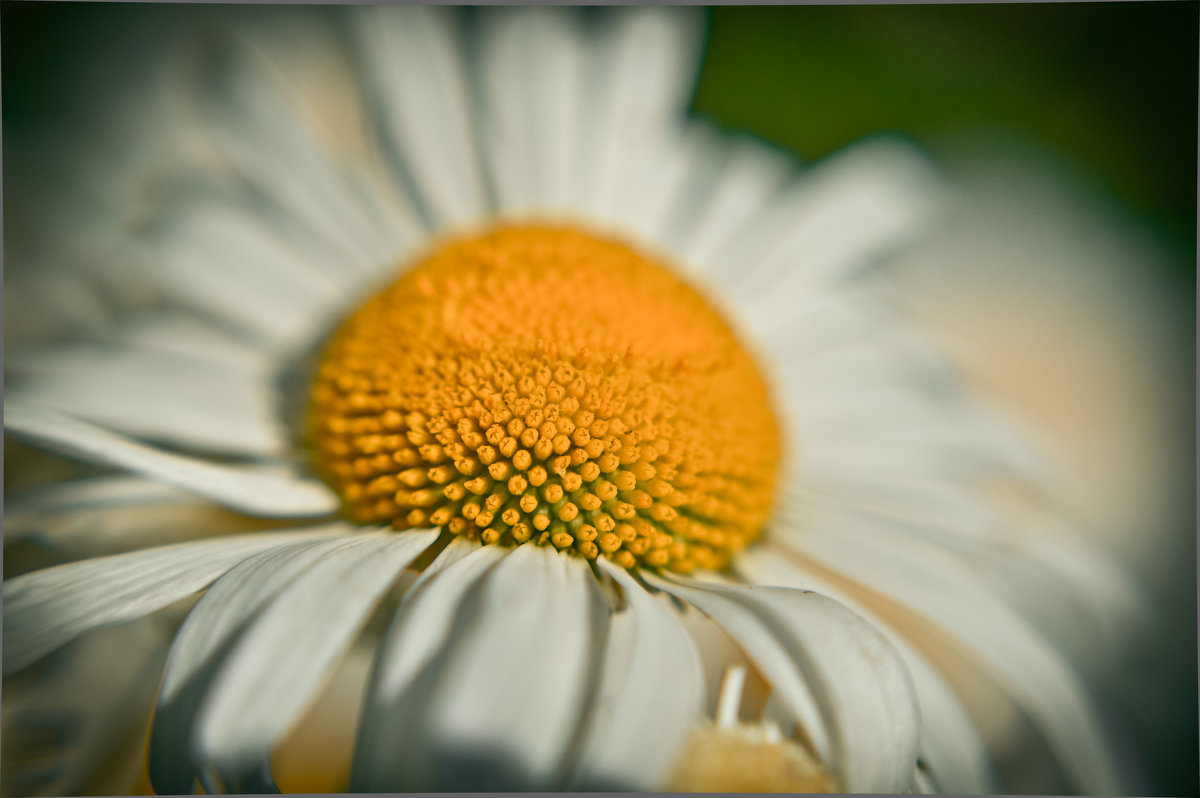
950,745
221,612
500,704
650,696
748,179
863,691
1004,646
769,653
278,664
44,609
253,492
420,629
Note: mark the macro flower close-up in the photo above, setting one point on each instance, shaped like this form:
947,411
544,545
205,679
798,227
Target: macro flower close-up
419,399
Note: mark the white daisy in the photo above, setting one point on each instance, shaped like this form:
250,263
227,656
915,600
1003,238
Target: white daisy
553,462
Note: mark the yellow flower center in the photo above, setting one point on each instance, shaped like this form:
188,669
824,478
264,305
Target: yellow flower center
543,385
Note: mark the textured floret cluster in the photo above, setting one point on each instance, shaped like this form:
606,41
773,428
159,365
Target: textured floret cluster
545,385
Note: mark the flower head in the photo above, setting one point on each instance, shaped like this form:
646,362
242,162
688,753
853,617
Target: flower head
600,426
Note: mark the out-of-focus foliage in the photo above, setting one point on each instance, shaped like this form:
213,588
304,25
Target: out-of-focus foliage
1110,87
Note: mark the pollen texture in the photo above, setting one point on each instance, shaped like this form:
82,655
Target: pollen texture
548,386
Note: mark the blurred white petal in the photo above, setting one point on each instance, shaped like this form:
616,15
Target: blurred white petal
253,492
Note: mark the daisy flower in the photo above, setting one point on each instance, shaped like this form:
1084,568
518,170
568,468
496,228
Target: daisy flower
451,336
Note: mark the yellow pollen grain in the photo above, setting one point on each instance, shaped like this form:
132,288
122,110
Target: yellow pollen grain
545,385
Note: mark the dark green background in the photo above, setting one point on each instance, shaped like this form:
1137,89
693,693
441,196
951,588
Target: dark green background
1110,88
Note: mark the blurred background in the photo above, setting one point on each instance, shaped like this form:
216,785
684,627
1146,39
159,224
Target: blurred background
1064,285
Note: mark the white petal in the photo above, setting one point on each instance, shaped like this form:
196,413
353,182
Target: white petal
1003,646
1000,557
225,261
164,396
861,686
421,627
641,74
833,221
252,492
658,188
950,744
277,666
499,706
179,333
751,176
256,125
106,515
414,61
221,612
650,697
44,609
532,71
427,614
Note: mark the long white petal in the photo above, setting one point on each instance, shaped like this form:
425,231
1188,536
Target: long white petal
427,614
252,492
277,666
651,694
255,123
170,397
227,262
532,70
422,625
500,704
44,609
641,74
414,62
221,612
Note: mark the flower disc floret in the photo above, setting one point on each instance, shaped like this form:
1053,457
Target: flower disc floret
545,385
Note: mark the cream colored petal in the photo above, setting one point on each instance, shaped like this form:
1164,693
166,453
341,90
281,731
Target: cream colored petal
641,72
255,124
770,655
421,628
